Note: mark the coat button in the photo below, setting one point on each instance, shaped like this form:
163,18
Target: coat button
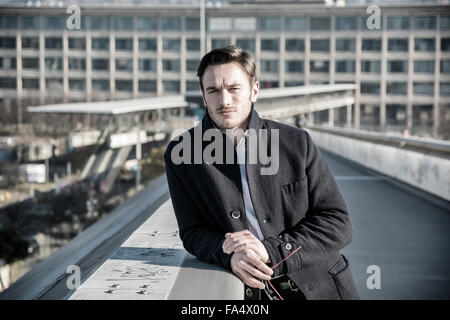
288,246
249,292
235,214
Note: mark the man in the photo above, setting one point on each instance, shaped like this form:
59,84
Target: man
279,230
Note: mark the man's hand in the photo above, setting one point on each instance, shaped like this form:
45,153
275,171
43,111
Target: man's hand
249,267
243,240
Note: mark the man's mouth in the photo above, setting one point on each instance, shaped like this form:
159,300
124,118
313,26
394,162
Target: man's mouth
226,111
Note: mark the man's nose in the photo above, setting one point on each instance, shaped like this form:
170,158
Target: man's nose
225,98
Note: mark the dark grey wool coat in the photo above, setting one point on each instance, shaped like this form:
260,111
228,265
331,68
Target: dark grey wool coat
300,205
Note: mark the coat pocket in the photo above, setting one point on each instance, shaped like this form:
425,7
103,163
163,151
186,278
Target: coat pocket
295,200
343,279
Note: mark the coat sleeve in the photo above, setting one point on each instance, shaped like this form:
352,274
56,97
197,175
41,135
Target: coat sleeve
198,236
326,227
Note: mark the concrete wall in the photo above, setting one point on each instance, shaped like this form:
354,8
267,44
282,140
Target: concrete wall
419,169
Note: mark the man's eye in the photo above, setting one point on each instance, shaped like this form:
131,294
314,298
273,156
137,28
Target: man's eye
212,91
234,89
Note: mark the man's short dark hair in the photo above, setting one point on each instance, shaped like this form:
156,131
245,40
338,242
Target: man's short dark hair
228,54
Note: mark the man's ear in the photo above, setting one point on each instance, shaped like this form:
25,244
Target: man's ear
255,91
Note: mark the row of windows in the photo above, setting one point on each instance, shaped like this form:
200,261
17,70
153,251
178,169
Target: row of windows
392,88
225,23
266,65
193,44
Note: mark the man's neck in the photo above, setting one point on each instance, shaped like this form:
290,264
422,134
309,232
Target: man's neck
234,133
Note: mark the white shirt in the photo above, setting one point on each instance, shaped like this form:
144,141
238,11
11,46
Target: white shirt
253,223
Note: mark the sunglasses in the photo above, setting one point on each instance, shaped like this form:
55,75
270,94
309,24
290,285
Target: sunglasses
269,289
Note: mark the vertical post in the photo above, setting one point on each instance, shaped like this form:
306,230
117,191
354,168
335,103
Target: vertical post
202,28
138,151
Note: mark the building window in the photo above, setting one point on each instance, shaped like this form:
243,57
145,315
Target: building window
425,66
345,23
270,66
220,24
77,84
371,44
445,44
245,24
369,116
53,23
8,83
30,63
7,42
30,83
147,65
100,84
54,85
8,63
30,43
345,44
425,23
100,43
125,44
99,23
370,87
293,83
193,44
170,24
53,43
220,43
147,85
269,84
270,44
147,44
445,22
192,24
370,66
320,24
422,115
124,85
146,24
192,85
294,66
192,65
172,44
398,23
297,45
100,64
123,23
77,43
345,66
397,44
246,44
171,86
421,44
319,66
444,88
29,22
395,114
396,88
397,66
423,88
8,22
269,24
53,63
294,24
124,64
322,45
445,66
77,64
171,65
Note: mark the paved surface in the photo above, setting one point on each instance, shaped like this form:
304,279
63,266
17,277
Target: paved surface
399,229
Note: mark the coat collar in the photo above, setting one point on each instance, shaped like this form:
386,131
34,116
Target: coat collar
255,121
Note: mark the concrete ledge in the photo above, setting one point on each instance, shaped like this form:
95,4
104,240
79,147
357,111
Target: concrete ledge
423,166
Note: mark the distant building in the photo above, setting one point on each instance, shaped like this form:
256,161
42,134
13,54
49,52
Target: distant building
402,65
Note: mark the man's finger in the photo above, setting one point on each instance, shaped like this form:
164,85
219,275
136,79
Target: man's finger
250,268
251,281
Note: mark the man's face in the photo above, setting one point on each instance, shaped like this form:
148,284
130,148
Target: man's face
228,96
